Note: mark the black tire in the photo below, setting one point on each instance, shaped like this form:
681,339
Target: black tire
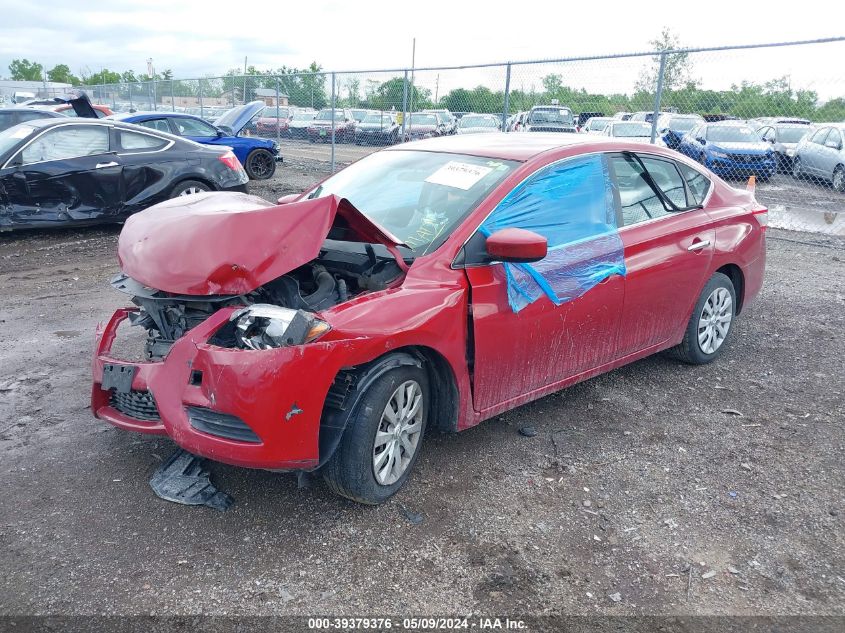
188,187
260,164
350,472
796,168
838,180
690,350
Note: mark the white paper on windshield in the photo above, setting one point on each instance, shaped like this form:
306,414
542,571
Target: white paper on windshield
458,175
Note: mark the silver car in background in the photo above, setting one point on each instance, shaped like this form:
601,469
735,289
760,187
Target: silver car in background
820,154
784,138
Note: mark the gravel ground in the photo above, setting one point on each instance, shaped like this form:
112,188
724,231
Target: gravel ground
659,488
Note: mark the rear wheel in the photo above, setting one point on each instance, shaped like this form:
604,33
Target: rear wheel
188,188
382,438
710,323
260,164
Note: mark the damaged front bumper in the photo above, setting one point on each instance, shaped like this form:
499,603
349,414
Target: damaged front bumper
257,409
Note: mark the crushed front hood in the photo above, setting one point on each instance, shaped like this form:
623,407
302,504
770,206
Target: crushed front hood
232,243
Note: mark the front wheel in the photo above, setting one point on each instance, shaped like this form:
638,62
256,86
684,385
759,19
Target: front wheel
839,179
188,188
796,168
710,323
260,164
382,438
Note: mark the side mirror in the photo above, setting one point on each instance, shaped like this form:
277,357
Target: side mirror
291,197
517,246
702,141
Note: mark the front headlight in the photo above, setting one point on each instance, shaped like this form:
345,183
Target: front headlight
266,326
715,154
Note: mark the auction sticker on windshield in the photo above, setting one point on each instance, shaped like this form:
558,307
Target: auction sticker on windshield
458,175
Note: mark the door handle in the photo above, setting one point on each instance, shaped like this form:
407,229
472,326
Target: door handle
697,246
111,164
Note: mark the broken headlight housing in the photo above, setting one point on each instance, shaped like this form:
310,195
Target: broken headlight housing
266,326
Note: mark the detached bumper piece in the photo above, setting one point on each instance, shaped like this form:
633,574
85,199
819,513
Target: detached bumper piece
184,479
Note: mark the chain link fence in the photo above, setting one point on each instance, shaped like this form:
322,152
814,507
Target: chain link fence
775,111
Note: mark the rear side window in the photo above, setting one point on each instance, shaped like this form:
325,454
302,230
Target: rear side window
697,182
140,142
156,124
30,116
638,199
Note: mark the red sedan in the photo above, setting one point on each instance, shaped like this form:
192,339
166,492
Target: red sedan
430,285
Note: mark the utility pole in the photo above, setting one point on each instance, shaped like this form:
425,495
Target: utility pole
436,88
244,78
413,57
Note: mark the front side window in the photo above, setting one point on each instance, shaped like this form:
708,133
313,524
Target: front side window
820,136
571,204
193,127
67,142
833,139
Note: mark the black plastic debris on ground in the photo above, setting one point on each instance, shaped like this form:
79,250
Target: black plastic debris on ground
528,431
183,478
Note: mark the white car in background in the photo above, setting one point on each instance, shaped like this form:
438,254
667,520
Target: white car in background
637,131
472,123
595,124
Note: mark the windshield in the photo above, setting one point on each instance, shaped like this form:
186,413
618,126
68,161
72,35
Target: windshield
302,116
443,117
682,124
732,134
597,124
326,115
792,134
378,119
630,129
11,137
479,121
557,115
420,197
423,119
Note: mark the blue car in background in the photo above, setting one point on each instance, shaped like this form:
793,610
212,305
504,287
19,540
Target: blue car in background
257,155
672,127
731,149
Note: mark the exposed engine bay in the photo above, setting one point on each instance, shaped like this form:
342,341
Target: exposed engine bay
341,271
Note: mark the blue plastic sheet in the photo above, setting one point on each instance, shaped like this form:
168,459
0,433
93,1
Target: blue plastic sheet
572,205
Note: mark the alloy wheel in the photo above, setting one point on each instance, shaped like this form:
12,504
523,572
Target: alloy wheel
187,191
839,180
398,434
715,320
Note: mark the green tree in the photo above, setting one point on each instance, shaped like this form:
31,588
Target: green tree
25,70
60,73
677,71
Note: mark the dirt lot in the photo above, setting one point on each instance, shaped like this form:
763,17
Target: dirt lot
639,484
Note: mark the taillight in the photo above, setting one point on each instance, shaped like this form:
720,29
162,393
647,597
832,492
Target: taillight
762,216
230,160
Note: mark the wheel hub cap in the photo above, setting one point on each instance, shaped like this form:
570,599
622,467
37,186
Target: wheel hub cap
398,434
715,320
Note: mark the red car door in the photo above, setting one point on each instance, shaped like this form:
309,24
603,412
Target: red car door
667,253
517,355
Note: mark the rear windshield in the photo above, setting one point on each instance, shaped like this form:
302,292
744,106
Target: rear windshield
479,121
557,115
631,129
682,124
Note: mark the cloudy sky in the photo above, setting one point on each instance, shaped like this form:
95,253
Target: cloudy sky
198,38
